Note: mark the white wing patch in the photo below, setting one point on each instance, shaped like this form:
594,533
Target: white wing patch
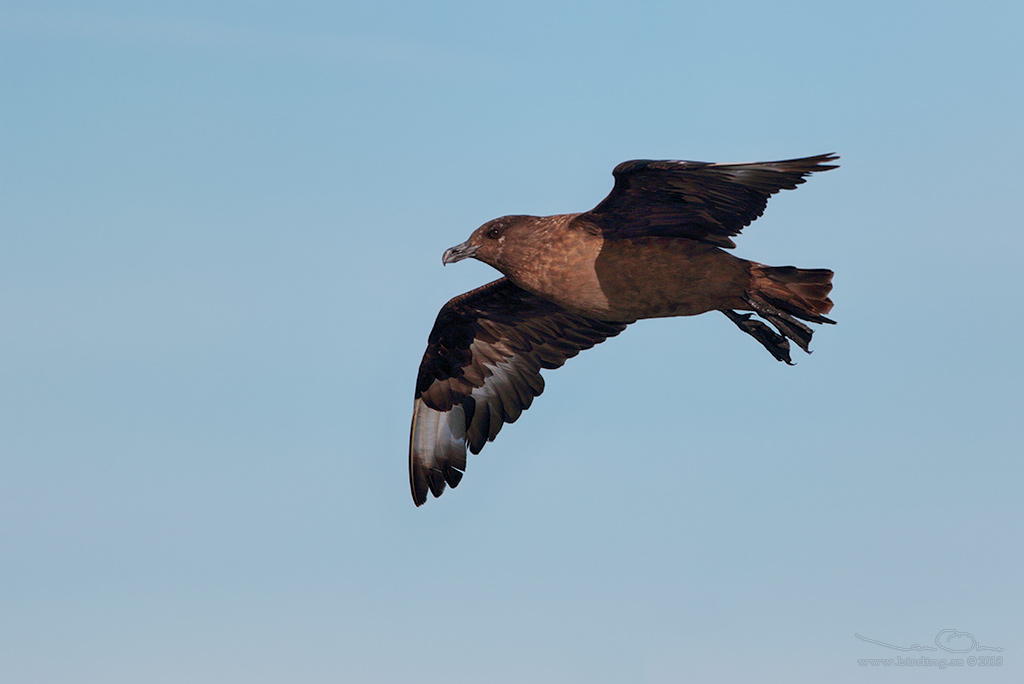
437,450
502,398
439,441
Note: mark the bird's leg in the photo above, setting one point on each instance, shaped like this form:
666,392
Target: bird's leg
770,309
776,344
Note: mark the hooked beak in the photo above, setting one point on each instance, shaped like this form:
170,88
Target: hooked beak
459,252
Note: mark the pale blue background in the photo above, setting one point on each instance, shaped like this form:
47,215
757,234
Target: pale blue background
222,225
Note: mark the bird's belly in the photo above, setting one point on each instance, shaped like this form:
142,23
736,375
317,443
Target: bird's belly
660,277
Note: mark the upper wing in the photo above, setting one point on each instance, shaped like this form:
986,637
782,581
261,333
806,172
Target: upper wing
481,370
697,200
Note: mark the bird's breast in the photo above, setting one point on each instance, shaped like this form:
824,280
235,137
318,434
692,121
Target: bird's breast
563,272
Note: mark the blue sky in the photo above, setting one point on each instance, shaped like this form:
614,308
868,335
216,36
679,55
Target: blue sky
222,225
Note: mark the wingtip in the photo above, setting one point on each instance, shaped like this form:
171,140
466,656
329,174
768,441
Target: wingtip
425,481
822,161
437,450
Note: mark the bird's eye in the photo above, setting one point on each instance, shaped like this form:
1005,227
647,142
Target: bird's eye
493,233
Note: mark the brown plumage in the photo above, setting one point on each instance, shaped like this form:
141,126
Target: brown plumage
652,248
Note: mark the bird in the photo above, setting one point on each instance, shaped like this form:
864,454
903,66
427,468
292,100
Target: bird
655,247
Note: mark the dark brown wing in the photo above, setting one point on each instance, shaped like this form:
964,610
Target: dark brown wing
697,200
481,370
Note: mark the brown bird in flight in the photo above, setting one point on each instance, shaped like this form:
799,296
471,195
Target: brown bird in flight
652,248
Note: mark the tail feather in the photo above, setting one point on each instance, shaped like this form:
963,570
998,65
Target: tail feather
802,292
781,295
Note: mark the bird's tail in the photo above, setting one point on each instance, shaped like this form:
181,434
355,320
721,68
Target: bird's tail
781,295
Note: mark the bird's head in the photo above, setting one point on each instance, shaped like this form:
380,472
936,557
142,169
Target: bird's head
492,242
